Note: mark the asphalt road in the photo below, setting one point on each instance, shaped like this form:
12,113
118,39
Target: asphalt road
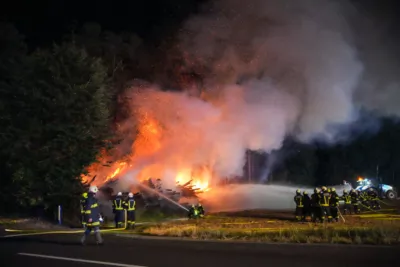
65,250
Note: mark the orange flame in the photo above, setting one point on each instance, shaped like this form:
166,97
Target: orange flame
148,142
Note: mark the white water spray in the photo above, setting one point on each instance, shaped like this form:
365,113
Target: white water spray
237,197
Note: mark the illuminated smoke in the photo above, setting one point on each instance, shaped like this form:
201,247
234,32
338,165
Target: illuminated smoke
274,68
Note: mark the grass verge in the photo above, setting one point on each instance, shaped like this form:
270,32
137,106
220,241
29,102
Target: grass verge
356,230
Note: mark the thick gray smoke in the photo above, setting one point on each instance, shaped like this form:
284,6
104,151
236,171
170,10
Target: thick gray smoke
275,68
306,49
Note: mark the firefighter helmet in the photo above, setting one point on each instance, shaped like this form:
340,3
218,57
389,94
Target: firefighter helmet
119,194
130,195
305,193
344,191
93,189
324,188
333,189
298,191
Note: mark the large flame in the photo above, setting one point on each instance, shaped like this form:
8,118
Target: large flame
150,139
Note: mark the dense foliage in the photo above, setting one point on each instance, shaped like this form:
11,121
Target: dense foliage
55,118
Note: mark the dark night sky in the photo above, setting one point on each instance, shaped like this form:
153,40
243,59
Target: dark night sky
45,21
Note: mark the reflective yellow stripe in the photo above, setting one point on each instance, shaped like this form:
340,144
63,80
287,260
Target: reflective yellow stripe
118,207
95,205
131,207
93,224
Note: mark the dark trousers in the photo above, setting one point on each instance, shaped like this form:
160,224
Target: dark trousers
316,213
356,207
375,204
335,213
306,212
96,230
131,218
299,213
347,209
326,212
119,218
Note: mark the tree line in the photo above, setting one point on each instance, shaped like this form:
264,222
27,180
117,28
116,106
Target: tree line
59,105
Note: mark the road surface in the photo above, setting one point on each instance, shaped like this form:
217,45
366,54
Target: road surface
64,250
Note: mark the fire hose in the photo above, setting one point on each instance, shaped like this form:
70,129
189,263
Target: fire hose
367,207
340,214
60,232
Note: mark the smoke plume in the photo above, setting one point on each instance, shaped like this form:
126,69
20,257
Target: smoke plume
274,68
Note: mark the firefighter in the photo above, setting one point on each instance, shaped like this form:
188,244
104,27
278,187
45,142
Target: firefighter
364,199
354,201
347,202
315,206
373,199
334,205
324,203
200,209
83,200
92,216
307,205
192,212
118,209
130,206
298,199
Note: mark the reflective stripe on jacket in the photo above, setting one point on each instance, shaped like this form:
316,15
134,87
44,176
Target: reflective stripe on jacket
131,204
118,204
92,211
298,199
324,199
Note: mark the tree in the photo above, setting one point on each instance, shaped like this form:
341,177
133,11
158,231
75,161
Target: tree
56,120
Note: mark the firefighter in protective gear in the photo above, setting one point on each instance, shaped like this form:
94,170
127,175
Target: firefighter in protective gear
354,201
324,203
118,209
347,202
373,199
83,200
92,216
364,199
334,205
193,212
307,205
298,199
315,206
200,210
130,207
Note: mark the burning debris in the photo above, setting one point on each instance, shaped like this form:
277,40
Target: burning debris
151,193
